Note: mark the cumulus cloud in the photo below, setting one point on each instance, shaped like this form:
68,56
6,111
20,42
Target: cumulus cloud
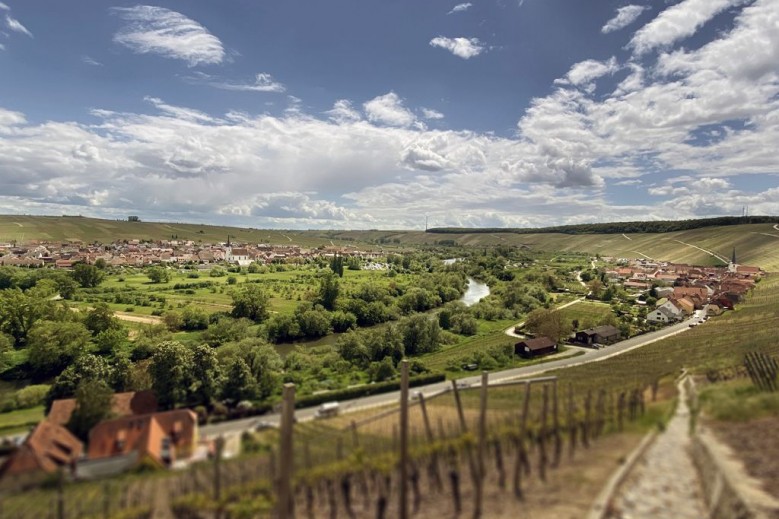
624,17
711,113
464,48
459,8
589,70
677,22
343,112
170,34
429,113
4,7
390,110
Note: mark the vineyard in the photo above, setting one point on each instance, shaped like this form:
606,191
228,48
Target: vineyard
490,449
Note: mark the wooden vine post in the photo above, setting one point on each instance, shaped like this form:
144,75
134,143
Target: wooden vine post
285,503
403,495
479,490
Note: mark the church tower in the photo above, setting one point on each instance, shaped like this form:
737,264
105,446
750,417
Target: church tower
732,265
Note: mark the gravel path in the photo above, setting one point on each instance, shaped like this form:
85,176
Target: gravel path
665,482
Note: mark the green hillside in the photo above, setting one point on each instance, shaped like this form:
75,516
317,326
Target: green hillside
756,244
23,229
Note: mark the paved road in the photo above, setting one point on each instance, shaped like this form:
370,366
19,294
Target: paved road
237,426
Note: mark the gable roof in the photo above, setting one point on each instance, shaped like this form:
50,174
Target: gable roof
122,404
538,343
144,434
48,447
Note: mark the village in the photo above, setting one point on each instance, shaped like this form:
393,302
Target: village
139,434
139,253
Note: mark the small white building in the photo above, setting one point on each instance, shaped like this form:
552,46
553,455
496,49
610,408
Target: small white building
665,313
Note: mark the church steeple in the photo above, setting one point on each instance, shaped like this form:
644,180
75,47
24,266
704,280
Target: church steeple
733,259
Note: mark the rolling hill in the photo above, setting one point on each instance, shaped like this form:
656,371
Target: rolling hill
756,244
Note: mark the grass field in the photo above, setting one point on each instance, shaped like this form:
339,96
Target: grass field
588,313
20,421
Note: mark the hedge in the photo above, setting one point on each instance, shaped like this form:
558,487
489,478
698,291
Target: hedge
366,390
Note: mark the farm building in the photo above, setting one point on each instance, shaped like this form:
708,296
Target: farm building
605,334
535,347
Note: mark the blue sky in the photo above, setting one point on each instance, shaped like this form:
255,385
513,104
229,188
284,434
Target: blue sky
367,114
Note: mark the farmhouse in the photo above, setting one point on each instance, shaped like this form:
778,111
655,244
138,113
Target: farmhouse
535,347
48,447
159,438
122,404
605,334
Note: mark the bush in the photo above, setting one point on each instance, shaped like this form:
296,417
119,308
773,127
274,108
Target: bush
31,396
366,390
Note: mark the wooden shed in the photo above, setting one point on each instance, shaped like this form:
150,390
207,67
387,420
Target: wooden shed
535,347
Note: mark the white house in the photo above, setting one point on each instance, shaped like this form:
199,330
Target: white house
665,313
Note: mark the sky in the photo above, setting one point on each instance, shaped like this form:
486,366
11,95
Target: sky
365,114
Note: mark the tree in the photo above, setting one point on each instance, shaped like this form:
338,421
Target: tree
240,384
421,334
194,318
86,367
158,275
351,348
100,319
251,302
6,347
93,404
170,369
226,329
314,322
547,323
281,328
88,276
337,265
52,345
381,370
122,379
206,376
19,311
328,291
263,360
108,342
343,321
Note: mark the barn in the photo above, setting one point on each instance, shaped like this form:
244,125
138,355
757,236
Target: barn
535,347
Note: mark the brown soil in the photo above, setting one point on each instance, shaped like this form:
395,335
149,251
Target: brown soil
756,443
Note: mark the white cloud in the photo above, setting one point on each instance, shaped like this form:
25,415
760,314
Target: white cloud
429,113
465,48
262,83
459,8
389,109
4,7
16,25
624,17
178,112
88,60
168,33
589,70
710,114
2,47
677,22
343,112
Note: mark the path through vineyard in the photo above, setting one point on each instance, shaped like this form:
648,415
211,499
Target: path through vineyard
665,482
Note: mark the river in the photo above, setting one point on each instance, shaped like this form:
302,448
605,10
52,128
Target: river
475,292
